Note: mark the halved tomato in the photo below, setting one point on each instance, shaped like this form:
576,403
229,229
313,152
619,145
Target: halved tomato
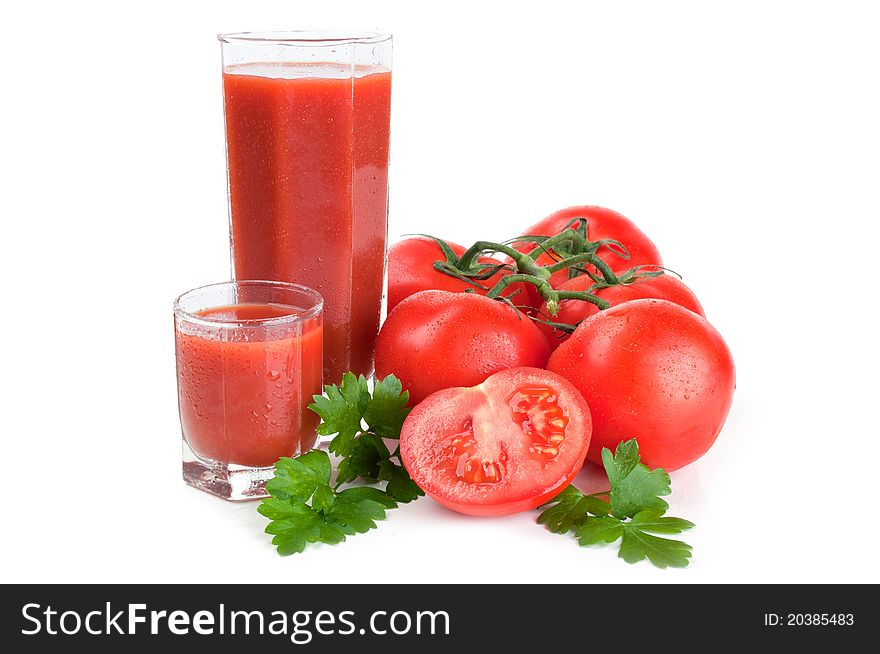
508,445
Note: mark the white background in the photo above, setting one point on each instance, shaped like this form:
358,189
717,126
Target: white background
743,137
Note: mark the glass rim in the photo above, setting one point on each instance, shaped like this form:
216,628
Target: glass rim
314,310
305,37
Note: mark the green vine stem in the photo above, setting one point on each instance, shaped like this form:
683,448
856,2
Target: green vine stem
529,272
572,247
590,258
573,239
524,263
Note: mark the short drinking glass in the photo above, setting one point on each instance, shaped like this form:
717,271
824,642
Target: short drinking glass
249,359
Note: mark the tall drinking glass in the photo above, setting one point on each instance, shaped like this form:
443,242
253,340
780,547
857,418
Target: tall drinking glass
307,124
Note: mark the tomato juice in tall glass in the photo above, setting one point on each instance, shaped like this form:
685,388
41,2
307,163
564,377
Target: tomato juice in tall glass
307,127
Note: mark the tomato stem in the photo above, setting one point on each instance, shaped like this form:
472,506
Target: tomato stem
564,327
551,296
524,263
473,278
570,248
582,295
529,272
587,257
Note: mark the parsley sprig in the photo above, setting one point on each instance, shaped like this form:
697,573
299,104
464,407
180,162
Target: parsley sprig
632,514
305,506
361,422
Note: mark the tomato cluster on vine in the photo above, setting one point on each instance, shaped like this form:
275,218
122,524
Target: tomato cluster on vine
581,295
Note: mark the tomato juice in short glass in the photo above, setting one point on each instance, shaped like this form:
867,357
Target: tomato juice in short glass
307,126
249,359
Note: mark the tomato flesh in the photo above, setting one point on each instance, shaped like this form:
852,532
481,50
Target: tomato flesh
507,445
537,412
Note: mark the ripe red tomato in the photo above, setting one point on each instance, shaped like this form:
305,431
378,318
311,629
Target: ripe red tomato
510,444
411,269
437,339
602,224
665,287
654,371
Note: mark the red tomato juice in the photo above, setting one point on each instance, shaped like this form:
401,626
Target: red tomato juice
307,150
244,389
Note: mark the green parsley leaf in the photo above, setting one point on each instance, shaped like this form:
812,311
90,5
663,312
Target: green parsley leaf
362,422
341,409
634,487
365,454
303,508
298,478
400,485
355,510
323,500
317,463
655,522
294,525
387,409
622,462
632,516
601,529
637,543
569,509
